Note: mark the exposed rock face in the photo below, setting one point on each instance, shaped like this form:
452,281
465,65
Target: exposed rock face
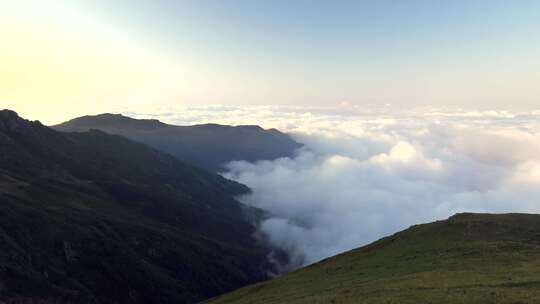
71,255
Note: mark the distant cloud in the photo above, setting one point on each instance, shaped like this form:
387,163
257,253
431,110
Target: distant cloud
368,172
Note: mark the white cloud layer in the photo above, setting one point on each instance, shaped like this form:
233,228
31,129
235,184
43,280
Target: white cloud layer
368,172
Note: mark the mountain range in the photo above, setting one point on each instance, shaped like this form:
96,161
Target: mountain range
88,215
208,146
91,217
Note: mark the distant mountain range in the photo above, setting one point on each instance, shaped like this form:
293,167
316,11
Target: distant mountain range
97,218
209,146
469,258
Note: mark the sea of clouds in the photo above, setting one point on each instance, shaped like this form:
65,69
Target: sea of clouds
366,172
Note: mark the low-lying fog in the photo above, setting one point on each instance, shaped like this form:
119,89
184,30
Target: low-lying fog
368,172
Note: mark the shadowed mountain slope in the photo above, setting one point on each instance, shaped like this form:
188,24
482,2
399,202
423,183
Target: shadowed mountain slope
209,146
96,218
469,258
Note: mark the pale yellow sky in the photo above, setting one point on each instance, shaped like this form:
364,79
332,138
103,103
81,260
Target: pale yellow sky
51,69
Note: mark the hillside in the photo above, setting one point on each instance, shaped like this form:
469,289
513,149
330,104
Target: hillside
209,146
96,218
469,258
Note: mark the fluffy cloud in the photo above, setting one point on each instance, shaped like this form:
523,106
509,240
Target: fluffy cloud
367,172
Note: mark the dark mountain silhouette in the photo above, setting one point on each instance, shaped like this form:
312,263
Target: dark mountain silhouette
209,146
96,218
469,258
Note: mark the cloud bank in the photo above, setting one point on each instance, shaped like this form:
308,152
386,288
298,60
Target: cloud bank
368,172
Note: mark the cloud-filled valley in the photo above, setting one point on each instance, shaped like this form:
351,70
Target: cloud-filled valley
364,173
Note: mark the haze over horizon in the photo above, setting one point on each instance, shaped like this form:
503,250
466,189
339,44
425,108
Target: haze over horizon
367,172
64,59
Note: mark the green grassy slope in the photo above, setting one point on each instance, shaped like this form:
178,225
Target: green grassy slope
96,218
469,258
208,146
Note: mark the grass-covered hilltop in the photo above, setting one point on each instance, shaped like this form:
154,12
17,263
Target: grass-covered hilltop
469,258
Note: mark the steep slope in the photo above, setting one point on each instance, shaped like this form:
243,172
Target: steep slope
209,146
469,258
96,218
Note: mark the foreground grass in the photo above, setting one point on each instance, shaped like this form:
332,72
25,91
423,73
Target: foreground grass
469,258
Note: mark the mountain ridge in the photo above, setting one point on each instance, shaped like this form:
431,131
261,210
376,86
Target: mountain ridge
209,146
97,218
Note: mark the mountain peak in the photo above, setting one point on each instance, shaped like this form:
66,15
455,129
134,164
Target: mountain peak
110,120
8,113
108,115
11,122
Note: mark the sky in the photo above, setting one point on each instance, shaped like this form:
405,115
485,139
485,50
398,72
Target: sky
60,59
